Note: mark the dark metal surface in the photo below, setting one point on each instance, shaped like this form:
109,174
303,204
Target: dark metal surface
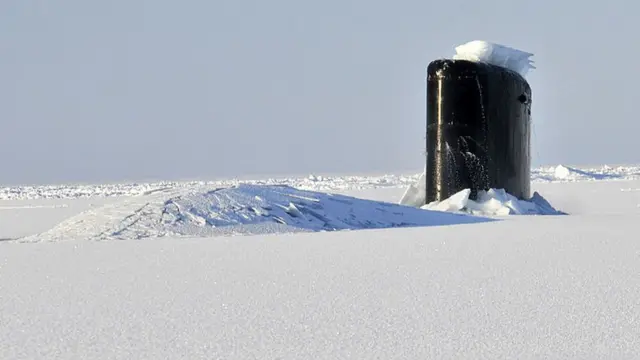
478,129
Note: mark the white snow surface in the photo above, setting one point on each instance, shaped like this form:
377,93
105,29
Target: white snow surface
496,54
239,210
525,287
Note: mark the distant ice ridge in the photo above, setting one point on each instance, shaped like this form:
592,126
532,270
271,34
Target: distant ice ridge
495,54
494,202
558,173
239,210
311,182
564,173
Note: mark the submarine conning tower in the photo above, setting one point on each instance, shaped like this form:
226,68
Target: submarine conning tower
478,129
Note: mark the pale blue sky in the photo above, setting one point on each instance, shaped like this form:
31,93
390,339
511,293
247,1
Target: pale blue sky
138,89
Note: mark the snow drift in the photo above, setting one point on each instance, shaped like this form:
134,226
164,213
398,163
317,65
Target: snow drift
242,209
495,54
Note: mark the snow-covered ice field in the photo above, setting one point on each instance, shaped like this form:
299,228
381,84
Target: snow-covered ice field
138,271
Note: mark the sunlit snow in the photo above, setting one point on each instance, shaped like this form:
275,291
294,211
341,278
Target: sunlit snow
495,54
520,287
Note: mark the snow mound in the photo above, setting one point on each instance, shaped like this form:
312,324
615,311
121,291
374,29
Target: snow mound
562,172
242,209
494,202
495,54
